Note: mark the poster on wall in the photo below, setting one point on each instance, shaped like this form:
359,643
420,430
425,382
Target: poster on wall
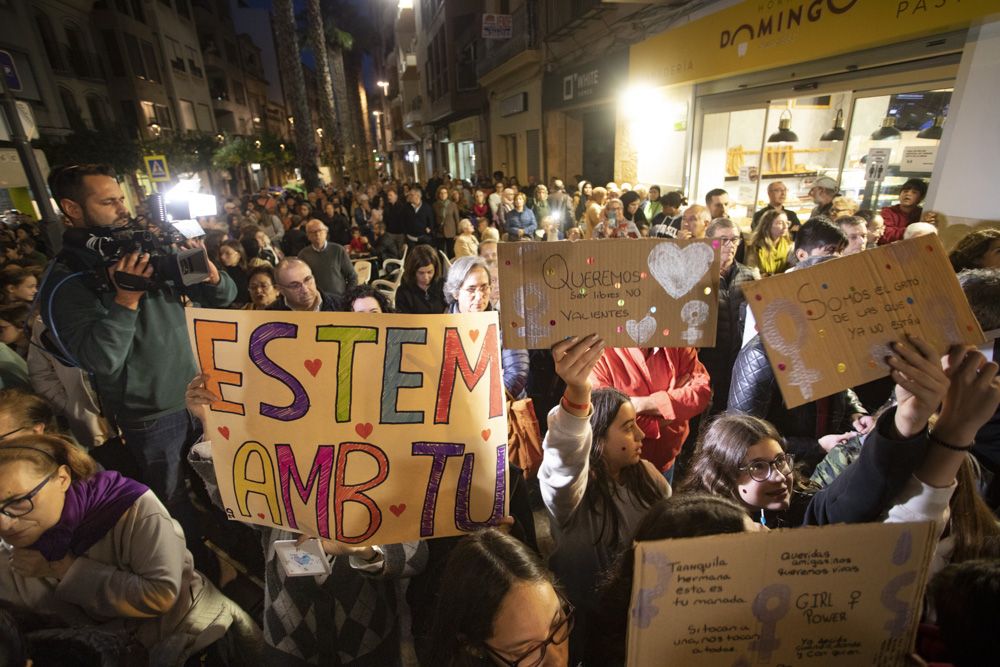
355,427
633,292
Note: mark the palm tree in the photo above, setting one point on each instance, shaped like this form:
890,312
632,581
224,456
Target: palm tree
317,39
290,61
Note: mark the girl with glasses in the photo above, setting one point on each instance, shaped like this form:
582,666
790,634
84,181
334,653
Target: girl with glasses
98,549
743,458
498,605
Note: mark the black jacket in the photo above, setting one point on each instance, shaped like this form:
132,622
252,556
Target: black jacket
394,216
755,391
419,223
719,360
413,300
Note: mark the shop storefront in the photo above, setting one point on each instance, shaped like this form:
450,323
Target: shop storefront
514,91
791,92
579,118
465,147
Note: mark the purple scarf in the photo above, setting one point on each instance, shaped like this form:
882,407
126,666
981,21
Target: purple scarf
92,508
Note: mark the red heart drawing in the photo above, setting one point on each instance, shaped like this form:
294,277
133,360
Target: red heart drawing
486,434
260,515
224,430
313,366
474,334
397,509
364,430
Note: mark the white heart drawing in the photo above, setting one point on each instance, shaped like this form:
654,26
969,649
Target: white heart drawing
642,330
678,270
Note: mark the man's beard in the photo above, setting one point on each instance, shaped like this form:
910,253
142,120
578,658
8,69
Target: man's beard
88,221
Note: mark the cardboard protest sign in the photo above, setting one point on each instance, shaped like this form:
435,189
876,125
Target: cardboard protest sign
828,327
360,428
633,292
846,594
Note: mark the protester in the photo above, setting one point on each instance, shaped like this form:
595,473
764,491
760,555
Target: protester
499,605
330,263
856,231
770,245
899,216
98,549
979,249
466,243
17,285
298,289
232,259
261,287
421,291
594,480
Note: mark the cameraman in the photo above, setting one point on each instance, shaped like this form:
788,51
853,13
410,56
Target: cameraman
133,343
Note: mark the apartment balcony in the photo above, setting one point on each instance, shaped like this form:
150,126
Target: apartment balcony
524,38
79,64
407,63
413,112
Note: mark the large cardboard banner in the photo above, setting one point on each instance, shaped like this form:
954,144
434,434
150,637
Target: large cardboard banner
828,327
838,595
360,428
633,292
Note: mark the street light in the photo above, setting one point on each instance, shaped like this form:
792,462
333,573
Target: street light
384,85
319,132
155,129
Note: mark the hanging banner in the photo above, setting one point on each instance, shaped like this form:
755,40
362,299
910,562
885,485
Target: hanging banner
837,595
359,428
633,292
828,327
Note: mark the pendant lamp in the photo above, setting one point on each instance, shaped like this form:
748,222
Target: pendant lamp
784,133
934,131
887,131
836,133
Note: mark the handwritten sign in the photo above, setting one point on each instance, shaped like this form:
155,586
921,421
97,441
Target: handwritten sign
360,428
633,292
828,327
846,594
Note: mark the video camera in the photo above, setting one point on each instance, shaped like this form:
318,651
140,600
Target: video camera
174,224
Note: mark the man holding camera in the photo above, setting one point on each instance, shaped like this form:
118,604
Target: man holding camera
133,343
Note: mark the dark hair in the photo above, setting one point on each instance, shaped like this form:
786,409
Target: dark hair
16,314
28,244
722,450
918,184
865,214
818,233
602,488
965,598
43,450
969,251
480,572
674,199
716,192
982,289
13,275
679,516
66,182
261,269
364,291
761,237
237,247
25,409
421,256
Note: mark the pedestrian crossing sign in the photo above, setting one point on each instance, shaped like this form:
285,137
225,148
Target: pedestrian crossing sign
156,167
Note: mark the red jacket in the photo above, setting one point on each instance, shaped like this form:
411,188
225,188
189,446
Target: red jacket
673,377
896,222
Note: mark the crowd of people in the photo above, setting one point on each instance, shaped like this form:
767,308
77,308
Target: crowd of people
107,490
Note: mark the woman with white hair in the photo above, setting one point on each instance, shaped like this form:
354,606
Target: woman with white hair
467,289
466,243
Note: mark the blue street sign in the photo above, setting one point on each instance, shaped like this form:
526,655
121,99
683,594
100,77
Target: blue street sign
10,71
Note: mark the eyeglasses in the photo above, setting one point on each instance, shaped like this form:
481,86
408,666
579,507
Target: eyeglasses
296,286
761,470
18,507
727,240
535,655
482,289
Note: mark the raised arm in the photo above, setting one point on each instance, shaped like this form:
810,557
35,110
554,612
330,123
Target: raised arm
566,449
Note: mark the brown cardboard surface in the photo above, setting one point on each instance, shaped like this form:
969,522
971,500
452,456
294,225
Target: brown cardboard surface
633,292
356,427
827,327
837,595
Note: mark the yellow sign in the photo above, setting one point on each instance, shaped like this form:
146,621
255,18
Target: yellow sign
156,167
763,34
360,428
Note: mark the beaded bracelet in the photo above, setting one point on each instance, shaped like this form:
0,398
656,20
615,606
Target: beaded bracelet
941,443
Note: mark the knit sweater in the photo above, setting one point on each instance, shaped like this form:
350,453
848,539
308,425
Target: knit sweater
331,267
